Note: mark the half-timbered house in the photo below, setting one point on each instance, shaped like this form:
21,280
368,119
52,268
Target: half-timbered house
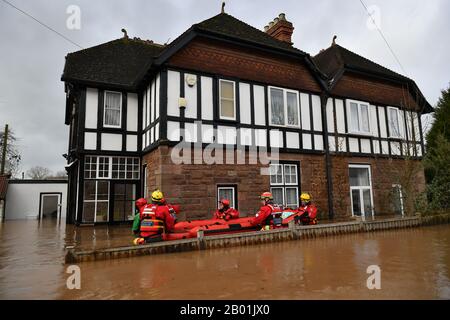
341,123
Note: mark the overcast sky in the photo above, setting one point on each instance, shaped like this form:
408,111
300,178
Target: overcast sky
32,99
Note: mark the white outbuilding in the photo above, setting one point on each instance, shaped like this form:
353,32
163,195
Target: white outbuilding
36,199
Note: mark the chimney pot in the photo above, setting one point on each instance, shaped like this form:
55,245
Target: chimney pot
281,29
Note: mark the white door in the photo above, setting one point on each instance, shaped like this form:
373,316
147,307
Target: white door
361,190
50,206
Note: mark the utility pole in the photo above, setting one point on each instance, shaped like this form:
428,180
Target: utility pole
5,143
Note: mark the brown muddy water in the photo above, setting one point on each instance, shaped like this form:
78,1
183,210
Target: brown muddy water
415,264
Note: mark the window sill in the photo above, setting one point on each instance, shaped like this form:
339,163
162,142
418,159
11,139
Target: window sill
361,134
111,127
285,126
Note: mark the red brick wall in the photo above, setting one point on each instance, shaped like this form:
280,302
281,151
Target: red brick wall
194,186
369,89
229,60
385,173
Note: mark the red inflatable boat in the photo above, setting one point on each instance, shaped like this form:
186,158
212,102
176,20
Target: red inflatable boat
189,229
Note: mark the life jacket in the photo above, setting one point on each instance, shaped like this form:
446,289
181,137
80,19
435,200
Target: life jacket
149,221
274,219
308,217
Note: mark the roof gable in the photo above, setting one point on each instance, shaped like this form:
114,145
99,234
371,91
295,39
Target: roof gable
336,60
119,62
227,25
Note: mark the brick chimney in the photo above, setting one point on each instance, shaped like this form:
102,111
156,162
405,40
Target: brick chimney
280,29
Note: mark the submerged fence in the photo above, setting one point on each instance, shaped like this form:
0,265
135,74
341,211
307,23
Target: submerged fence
293,232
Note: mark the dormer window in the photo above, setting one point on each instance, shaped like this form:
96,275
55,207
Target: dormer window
359,117
227,100
112,117
394,122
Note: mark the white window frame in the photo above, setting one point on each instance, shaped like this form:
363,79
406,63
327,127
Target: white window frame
110,168
97,174
398,123
361,189
95,201
297,195
145,173
349,118
220,100
282,174
283,185
233,189
400,189
282,191
104,110
285,107
296,174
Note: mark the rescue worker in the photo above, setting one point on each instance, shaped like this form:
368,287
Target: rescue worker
267,213
173,209
308,217
140,203
225,212
155,220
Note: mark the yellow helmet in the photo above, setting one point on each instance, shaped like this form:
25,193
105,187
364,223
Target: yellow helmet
305,197
157,196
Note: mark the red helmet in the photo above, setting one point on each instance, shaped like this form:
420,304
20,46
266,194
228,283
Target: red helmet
141,202
225,202
266,196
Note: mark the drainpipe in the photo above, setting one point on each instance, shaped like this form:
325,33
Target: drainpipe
323,100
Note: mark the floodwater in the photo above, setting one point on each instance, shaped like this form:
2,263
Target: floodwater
415,264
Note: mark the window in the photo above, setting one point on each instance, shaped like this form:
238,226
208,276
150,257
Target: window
284,107
124,201
229,193
284,184
227,100
397,200
113,110
359,117
360,190
145,193
123,168
394,122
96,201
103,167
90,167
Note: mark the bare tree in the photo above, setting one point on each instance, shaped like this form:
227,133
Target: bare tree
38,173
59,175
13,157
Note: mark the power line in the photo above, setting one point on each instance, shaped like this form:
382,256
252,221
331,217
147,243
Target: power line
42,24
382,35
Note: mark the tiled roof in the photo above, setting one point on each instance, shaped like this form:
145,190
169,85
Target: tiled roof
227,25
119,62
334,58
